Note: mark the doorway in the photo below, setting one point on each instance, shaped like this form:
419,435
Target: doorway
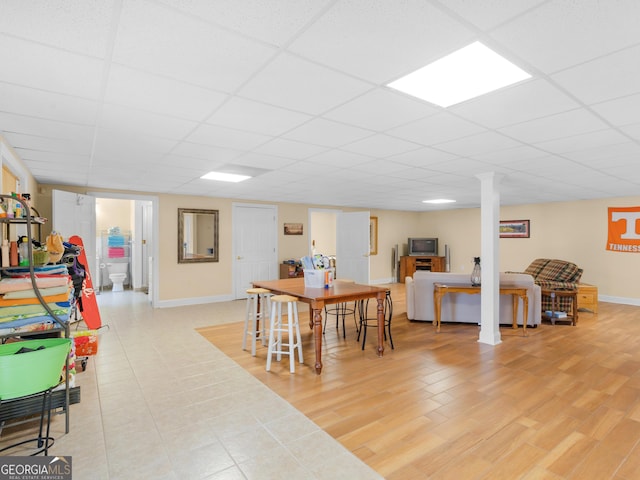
255,245
124,242
346,235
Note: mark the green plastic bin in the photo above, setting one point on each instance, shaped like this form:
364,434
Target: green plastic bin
31,372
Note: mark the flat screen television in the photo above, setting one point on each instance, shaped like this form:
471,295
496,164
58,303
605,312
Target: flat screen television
422,246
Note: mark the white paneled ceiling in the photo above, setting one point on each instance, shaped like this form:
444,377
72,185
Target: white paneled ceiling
148,95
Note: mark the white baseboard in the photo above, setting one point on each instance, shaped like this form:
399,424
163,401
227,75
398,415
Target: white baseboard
182,302
622,300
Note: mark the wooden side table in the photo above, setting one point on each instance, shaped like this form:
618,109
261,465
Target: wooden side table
588,297
555,294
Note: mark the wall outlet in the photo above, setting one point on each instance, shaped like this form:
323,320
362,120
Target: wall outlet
462,268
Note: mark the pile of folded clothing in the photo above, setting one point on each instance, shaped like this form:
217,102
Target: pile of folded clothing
20,308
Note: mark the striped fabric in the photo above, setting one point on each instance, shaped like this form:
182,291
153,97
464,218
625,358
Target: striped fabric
555,275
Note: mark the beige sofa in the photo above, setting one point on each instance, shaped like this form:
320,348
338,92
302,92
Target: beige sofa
461,307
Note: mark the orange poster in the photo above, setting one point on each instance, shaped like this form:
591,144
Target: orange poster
624,229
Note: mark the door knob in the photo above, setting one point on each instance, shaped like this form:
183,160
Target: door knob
238,257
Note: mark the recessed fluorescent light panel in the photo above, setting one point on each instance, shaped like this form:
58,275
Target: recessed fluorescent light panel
225,177
439,200
466,73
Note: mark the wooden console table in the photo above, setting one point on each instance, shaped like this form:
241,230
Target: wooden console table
441,289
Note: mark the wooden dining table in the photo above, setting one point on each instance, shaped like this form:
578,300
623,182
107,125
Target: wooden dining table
317,298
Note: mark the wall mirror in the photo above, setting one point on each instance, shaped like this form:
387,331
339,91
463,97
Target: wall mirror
197,235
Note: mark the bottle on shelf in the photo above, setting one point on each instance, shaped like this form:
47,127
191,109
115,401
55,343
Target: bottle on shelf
5,253
13,254
23,251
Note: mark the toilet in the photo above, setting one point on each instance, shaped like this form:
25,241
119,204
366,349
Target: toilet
117,275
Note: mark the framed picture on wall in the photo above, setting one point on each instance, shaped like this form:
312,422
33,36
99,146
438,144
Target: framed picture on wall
293,229
514,228
373,235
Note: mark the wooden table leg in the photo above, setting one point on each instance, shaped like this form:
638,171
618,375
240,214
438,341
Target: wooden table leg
381,324
317,334
437,303
525,314
514,299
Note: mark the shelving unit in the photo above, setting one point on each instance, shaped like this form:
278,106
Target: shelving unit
62,325
410,264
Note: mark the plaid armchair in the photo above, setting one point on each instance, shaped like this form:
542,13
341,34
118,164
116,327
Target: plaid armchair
557,275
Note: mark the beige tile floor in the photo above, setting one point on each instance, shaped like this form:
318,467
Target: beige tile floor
161,402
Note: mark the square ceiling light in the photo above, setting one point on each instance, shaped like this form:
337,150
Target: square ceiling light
466,73
225,177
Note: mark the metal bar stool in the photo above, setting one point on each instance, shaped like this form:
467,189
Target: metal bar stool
366,322
277,343
258,306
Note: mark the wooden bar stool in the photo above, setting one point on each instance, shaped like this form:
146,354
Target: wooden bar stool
277,343
258,306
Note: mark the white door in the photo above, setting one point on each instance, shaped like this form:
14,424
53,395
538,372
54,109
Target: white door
75,214
254,245
352,246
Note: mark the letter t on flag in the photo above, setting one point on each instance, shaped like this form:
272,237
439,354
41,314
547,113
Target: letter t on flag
624,229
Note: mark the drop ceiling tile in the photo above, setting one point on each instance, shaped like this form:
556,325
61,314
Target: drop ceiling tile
585,141
627,150
463,167
327,133
138,122
50,144
226,137
272,22
338,158
561,125
525,101
482,143
74,25
632,130
381,109
191,163
380,145
262,161
490,13
289,149
621,111
507,156
158,39
588,30
422,157
156,94
244,114
208,153
50,69
436,129
379,40
52,106
300,85
39,127
605,78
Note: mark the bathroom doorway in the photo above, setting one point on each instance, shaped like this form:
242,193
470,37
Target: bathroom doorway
124,243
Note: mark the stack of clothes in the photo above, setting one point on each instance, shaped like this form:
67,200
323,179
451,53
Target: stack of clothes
20,308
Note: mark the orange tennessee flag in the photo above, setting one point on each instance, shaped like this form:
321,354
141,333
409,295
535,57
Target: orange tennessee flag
624,229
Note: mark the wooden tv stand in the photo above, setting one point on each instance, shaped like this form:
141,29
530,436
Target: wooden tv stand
409,264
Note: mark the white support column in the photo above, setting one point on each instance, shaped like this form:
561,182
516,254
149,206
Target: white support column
490,261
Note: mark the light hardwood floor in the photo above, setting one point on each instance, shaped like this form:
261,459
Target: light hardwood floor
562,403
